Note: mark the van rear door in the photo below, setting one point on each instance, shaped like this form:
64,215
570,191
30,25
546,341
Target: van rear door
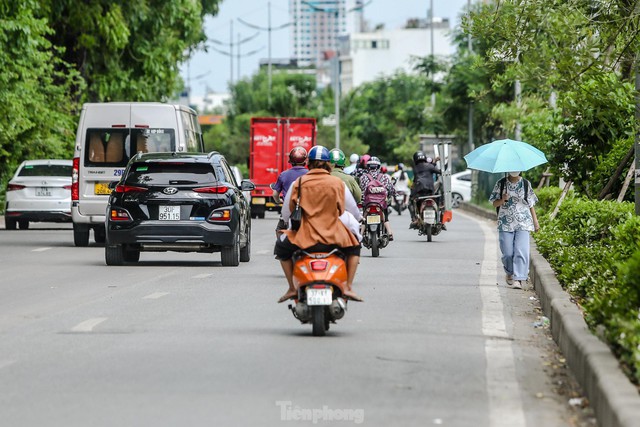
265,157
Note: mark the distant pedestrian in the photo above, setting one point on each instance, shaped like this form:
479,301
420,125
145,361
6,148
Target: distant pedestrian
515,200
353,162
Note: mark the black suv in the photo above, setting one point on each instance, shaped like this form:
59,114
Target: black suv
178,202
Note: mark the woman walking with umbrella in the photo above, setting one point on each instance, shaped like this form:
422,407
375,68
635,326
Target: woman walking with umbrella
514,200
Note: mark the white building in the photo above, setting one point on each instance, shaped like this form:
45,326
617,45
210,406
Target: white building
210,102
365,57
317,24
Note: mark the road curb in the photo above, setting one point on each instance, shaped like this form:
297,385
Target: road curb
613,397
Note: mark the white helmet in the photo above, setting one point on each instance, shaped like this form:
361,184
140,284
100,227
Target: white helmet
354,158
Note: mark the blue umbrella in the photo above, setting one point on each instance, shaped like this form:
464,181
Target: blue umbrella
505,155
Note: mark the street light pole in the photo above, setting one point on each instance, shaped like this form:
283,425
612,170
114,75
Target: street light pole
268,29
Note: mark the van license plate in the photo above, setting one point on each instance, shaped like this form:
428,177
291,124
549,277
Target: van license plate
318,296
373,219
102,188
43,192
169,213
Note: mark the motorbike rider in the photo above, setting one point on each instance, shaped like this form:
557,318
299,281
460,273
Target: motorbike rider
298,160
374,172
401,182
362,166
423,184
338,160
324,199
353,162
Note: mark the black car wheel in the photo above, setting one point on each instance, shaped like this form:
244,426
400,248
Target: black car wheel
80,235
24,224
114,255
131,255
245,253
231,254
99,234
10,224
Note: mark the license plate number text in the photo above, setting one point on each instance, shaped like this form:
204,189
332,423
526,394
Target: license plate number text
169,213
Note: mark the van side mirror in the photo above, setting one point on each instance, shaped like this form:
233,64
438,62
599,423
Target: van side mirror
247,185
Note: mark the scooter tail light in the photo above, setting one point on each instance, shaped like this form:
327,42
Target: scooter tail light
319,265
373,209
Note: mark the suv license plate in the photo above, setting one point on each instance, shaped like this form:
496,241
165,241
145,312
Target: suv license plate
318,296
169,213
43,192
373,219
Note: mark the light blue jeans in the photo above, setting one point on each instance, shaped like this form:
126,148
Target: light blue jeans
514,246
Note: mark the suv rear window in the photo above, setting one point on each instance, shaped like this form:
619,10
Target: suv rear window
115,146
46,170
149,174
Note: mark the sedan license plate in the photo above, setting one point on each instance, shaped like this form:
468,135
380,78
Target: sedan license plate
429,216
318,296
43,192
101,188
169,213
373,219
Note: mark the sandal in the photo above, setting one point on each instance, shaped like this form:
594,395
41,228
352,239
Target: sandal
289,295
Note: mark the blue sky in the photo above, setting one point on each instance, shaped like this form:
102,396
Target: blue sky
212,69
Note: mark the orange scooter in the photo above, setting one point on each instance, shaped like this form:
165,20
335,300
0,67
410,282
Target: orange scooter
320,279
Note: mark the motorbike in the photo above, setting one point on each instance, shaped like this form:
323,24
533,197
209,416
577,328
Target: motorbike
400,201
431,217
375,235
320,279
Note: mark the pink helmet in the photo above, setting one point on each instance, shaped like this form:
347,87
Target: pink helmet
364,159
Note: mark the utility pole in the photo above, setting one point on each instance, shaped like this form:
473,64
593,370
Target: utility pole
433,76
268,29
230,53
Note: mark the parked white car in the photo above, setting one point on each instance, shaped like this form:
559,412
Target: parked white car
40,191
460,187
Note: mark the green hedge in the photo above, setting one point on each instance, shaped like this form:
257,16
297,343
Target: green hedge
594,248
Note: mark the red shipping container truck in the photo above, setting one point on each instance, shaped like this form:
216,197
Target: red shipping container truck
271,141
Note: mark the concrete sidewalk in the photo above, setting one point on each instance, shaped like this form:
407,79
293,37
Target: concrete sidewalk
614,399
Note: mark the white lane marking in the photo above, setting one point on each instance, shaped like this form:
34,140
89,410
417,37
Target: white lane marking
505,399
88,325
40,249
156,295
202,276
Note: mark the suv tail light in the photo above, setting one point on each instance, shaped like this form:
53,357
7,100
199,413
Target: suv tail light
221,215
14,187
119,215
75,173
219,189
129,189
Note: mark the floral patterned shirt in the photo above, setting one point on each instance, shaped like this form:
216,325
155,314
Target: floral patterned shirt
515,214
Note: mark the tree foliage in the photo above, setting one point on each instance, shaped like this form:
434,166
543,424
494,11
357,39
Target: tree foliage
57,54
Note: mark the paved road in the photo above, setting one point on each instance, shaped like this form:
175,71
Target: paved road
180,340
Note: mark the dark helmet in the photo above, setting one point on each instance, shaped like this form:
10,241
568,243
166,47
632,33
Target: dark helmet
297,155
373,163
419,157
319,152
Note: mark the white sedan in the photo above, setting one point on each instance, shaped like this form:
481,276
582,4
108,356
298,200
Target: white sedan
40,191
460,187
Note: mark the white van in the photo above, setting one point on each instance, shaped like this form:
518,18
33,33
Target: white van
109,134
